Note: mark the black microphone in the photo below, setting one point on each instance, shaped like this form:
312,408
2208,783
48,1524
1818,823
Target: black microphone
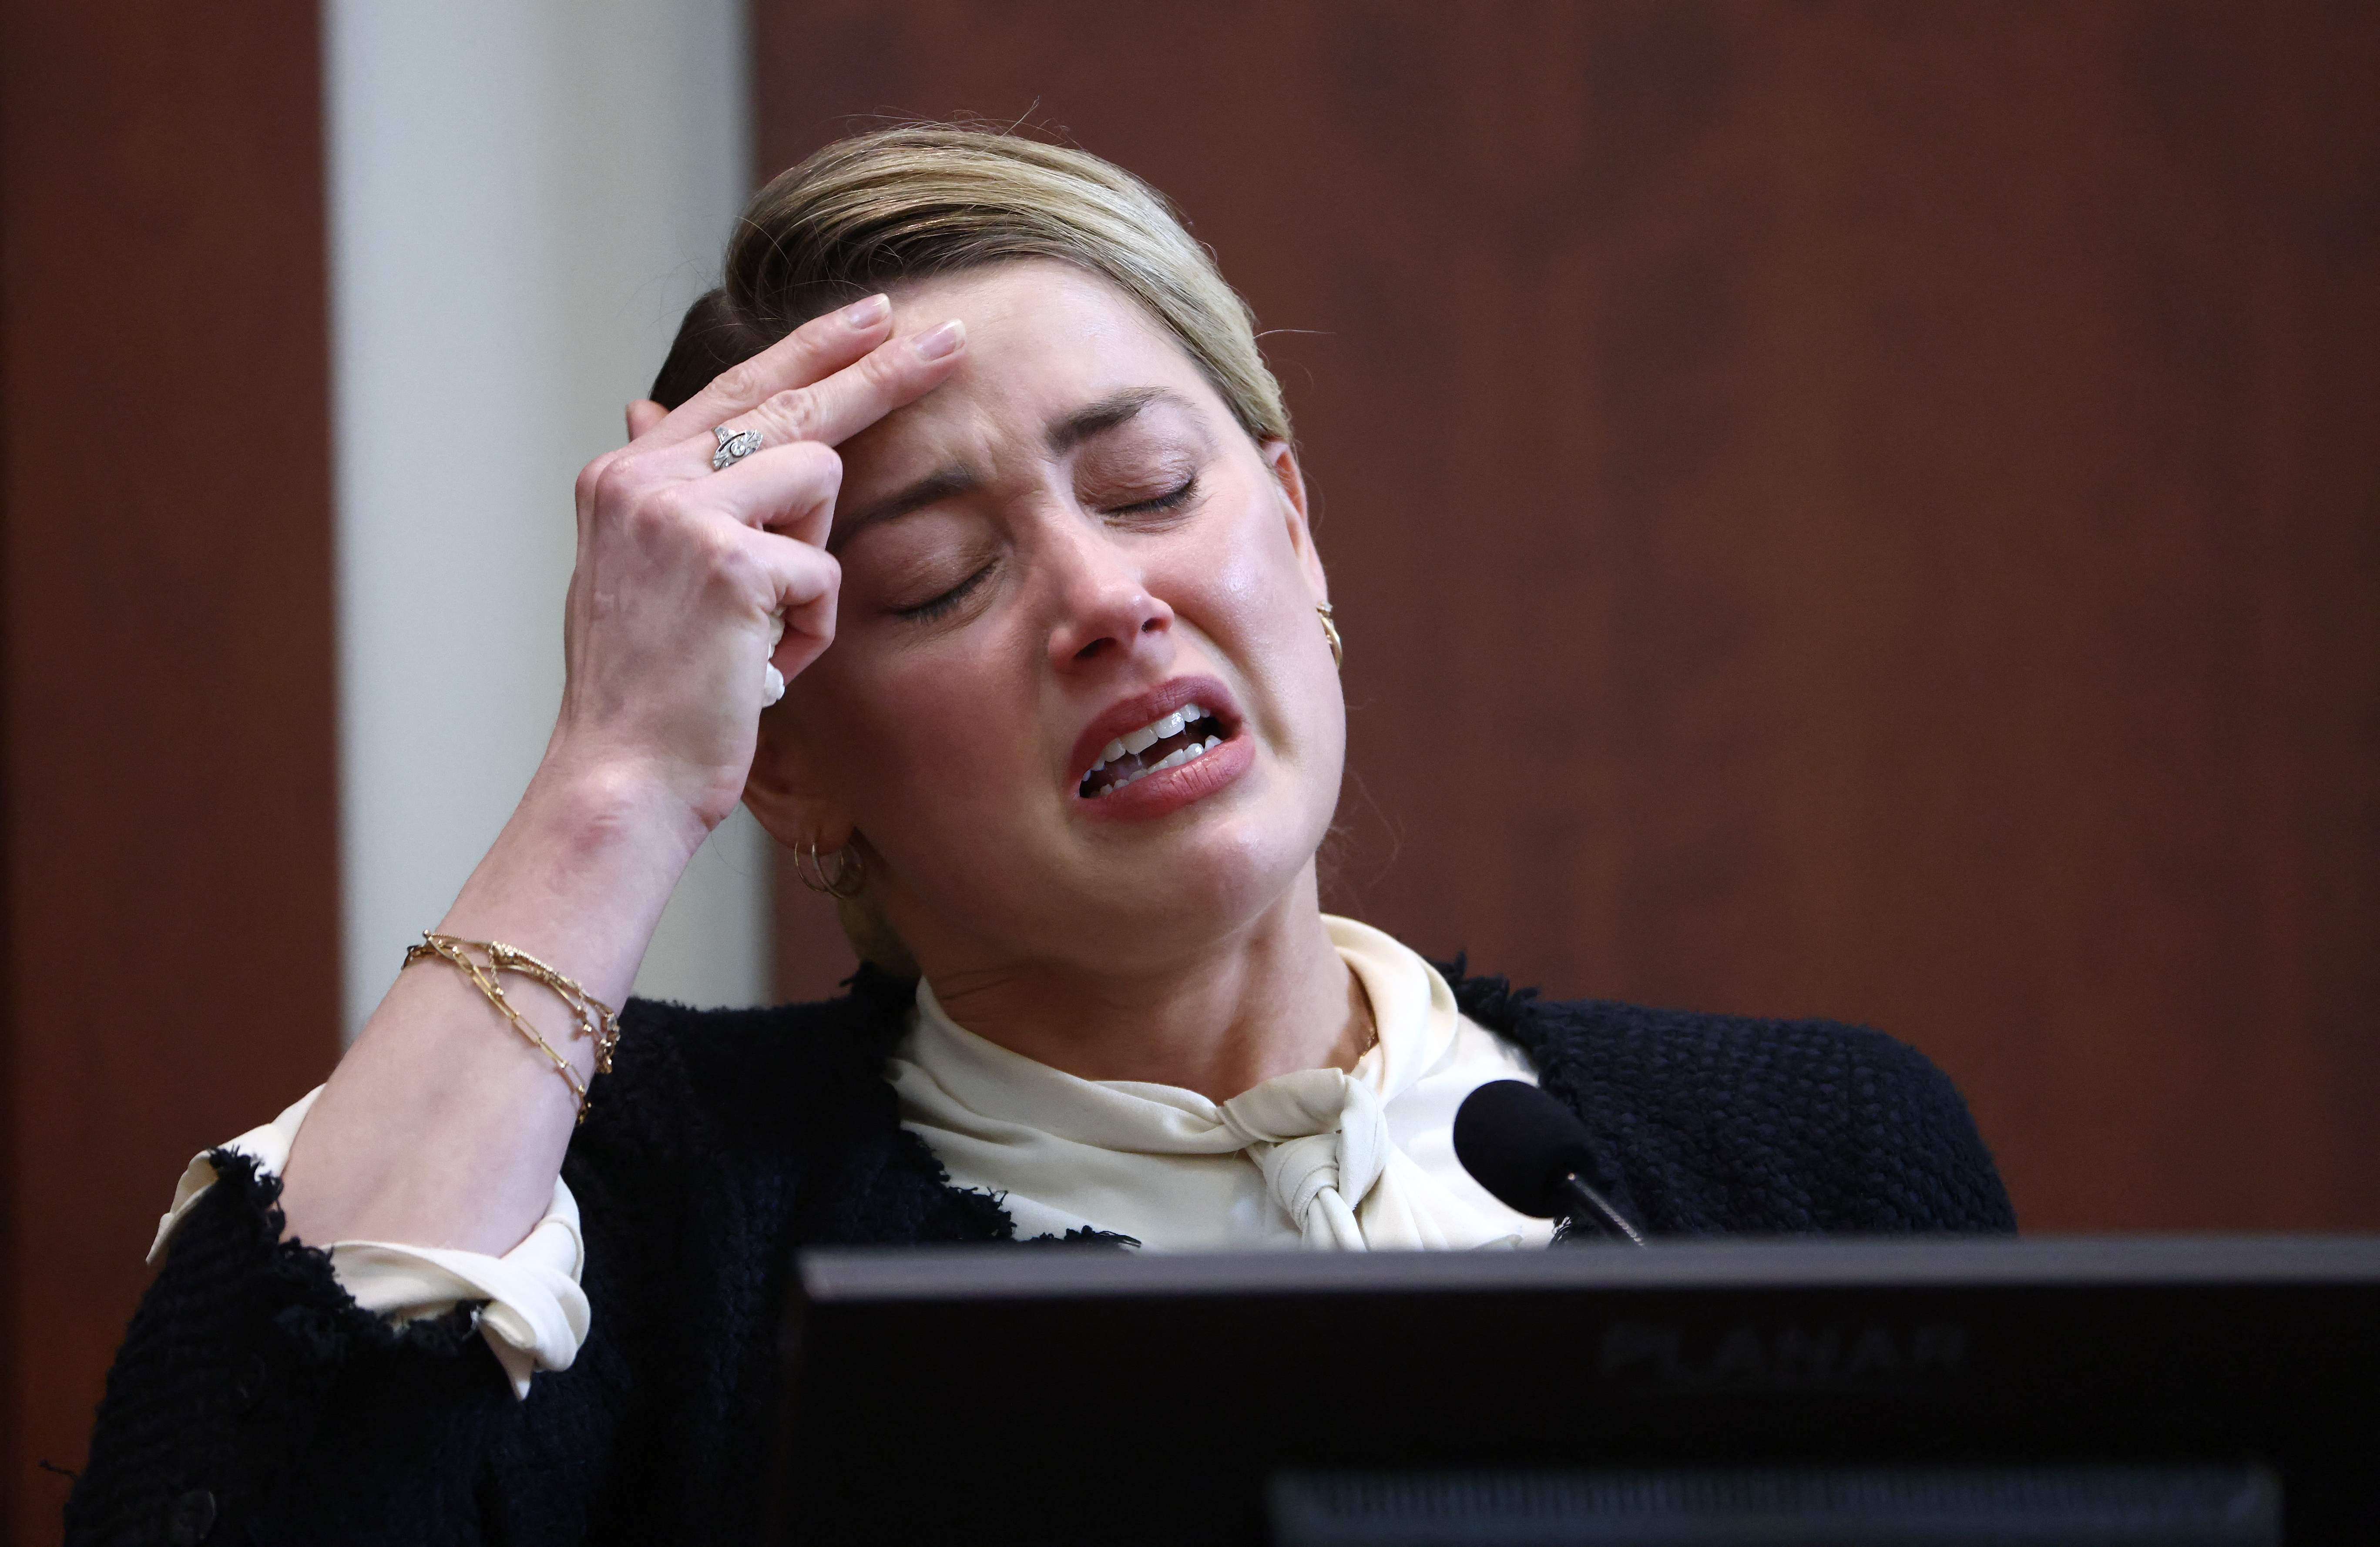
1533,1153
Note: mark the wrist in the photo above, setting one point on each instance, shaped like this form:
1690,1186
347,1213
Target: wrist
612,812
581,872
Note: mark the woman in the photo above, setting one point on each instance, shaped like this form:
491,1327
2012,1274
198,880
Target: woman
978,414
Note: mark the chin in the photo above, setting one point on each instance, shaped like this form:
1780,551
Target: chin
1135,893
1219,879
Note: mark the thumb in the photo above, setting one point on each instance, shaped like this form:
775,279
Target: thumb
643,414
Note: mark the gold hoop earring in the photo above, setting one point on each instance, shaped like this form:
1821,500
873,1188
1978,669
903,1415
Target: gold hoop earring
850,871
1330,632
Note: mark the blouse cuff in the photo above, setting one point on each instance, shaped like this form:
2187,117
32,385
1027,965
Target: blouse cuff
535,1315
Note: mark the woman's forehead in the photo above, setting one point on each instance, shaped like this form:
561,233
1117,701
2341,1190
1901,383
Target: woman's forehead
1047,345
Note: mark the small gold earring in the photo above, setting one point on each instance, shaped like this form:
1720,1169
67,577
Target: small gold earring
850,871
1330,632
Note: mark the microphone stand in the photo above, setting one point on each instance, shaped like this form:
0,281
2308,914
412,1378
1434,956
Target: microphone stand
1595,1210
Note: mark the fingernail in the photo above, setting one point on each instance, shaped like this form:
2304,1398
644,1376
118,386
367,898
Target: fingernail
941,341
867,314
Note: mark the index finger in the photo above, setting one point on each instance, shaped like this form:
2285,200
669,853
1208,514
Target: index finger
896,373
810,353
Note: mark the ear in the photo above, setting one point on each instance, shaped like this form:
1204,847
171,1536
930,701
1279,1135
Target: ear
785,794
1281,459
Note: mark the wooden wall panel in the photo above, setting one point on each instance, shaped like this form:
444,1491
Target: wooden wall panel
172,906
1867,510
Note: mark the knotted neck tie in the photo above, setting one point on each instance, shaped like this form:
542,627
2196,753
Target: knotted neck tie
1321,1140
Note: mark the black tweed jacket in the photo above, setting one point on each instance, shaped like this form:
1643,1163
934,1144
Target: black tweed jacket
252,1402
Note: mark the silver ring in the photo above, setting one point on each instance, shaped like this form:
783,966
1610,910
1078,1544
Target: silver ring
733,446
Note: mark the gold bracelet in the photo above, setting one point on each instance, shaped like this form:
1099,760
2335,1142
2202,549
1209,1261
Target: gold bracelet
595,1019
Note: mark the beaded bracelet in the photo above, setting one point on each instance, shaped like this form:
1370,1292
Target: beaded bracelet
595,1019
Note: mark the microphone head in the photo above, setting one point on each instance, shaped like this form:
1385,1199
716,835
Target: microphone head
1518,1142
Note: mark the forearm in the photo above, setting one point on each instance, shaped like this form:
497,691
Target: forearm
242,1373
442,1127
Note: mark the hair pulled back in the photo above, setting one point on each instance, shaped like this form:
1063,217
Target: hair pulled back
920,199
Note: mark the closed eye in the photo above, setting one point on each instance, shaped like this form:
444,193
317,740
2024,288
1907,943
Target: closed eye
926,612
1172,499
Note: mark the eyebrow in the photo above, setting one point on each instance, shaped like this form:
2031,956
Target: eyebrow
1063,435
929,490
1105,415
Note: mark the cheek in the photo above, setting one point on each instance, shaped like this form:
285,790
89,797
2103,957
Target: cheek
1259,609
910,726
1248,592
1241,580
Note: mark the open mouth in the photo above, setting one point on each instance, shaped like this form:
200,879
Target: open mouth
1186,734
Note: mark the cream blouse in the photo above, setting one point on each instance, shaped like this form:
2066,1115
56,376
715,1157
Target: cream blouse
1319,1158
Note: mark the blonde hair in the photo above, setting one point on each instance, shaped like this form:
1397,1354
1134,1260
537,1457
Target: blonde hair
920,199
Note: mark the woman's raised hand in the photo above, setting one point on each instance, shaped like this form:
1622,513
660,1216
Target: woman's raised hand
682,571
442,1126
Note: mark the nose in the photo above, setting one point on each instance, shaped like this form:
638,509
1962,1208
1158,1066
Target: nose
1104,611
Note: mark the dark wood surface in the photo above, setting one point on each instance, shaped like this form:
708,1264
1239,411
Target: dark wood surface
1867,511
172,904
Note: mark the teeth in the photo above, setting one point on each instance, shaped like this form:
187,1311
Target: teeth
1171,759
1149,735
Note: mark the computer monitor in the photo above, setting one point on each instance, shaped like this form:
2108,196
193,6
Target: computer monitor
1946,1390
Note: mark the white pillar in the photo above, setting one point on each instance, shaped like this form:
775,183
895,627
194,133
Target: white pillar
525,195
